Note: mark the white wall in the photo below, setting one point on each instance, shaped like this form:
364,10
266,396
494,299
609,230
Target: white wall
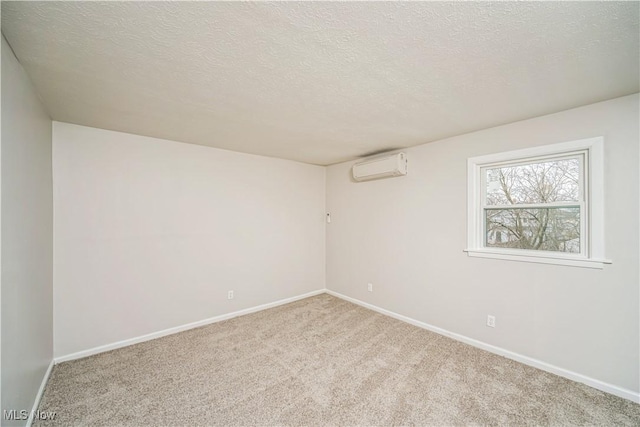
27,238
151,234
406,235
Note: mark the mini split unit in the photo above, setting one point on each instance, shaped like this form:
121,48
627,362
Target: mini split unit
381,167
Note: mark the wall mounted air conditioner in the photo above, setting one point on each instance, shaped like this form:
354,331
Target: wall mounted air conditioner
381,167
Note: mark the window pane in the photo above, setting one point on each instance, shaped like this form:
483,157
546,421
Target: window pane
549,229
547,181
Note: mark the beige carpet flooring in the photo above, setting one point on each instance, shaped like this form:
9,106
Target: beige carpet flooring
318,361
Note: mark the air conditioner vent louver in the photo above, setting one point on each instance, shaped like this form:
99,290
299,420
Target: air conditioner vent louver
381,167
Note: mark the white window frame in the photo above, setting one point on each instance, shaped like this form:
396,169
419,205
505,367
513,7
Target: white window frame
591,204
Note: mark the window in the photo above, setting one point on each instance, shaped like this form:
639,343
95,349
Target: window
542,204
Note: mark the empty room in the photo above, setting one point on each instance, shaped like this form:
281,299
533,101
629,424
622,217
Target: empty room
320,213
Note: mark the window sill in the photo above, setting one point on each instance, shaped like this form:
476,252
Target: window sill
572,262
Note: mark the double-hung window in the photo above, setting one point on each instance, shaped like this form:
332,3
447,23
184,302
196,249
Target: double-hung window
542,204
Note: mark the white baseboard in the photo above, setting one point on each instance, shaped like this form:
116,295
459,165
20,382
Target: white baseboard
176,329
36,403
574,376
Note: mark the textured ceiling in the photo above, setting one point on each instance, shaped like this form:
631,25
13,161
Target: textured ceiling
320,82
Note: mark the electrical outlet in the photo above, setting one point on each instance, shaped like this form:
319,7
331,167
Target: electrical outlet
230,295
370,287
491,321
